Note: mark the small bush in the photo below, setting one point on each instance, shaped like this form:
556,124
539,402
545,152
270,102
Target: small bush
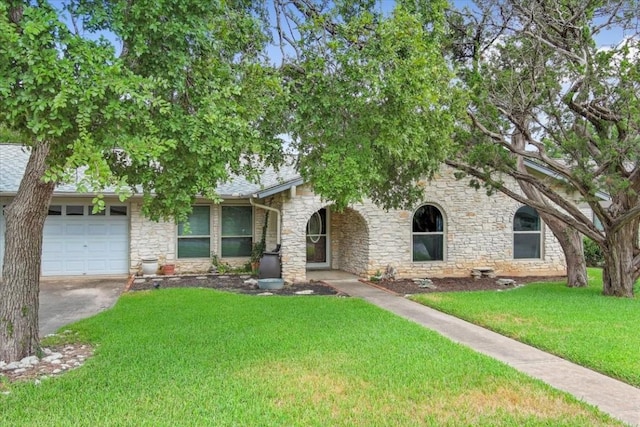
592,253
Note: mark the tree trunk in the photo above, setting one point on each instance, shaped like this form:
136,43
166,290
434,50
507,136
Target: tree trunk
571,242
570,239
618,274
20,284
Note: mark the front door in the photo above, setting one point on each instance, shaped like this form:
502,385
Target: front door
318,240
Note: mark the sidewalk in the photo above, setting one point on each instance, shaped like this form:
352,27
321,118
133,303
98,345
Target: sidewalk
614,397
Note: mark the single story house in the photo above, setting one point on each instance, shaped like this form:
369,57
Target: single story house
453,230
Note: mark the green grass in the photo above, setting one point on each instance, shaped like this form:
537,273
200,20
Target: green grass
580,325
202,357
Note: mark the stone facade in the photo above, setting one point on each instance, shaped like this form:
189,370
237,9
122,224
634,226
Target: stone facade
160,239
364,239
478,231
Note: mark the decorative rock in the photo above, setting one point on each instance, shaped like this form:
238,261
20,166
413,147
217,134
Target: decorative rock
47,351
139,280
426,283
29,361
223,277
506,282
11,366
478,272
19,371
264,294
390,273
252,282
174,279
245,276
56,371
55,362
52,357
201,277
305,292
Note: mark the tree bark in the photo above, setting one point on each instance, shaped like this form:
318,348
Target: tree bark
20,284
571,242
618,274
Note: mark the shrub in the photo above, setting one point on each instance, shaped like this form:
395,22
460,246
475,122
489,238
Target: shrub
592,253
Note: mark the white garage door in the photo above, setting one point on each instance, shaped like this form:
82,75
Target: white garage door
78,242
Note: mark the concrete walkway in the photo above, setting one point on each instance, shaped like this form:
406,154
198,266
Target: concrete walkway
614,397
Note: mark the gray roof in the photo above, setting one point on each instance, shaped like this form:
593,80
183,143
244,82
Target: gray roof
14,157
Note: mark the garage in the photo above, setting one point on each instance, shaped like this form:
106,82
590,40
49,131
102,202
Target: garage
77,242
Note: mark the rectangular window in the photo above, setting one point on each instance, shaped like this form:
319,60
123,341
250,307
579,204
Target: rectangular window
75,210
118,210
197,242
526,245
237,231
92,213
55,210
428,247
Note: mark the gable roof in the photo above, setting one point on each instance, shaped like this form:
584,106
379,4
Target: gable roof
14,158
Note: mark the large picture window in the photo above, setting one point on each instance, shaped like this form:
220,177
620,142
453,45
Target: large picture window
237,231
527,236
197,242
428,234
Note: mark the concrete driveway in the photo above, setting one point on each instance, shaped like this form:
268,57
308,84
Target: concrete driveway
64,300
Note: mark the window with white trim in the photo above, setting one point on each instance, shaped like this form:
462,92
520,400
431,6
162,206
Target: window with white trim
428,234
194,241
527,234
236,231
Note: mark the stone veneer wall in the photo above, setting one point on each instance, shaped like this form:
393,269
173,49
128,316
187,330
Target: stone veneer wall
478,232
349,236
160,238
149,238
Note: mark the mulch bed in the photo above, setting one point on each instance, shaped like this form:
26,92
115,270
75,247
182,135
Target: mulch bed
458,284
236,283
230,283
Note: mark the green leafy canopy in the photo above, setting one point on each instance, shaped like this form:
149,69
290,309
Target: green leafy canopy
183,103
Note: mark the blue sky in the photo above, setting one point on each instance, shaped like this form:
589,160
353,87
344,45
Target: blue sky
608,38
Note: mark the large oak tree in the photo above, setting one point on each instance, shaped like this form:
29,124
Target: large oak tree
176,99
372,106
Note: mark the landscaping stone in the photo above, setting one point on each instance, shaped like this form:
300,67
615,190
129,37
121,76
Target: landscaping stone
252,282
52,357
29,361
506,282
305,292
264,294
56,361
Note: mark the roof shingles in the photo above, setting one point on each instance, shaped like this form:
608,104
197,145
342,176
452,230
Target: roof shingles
14,157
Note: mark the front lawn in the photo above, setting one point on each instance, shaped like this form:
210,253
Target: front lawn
580,325
203,357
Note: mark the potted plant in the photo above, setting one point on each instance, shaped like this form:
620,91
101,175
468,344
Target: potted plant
169,269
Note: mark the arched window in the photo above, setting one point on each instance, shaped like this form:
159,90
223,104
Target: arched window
428,234
527,236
